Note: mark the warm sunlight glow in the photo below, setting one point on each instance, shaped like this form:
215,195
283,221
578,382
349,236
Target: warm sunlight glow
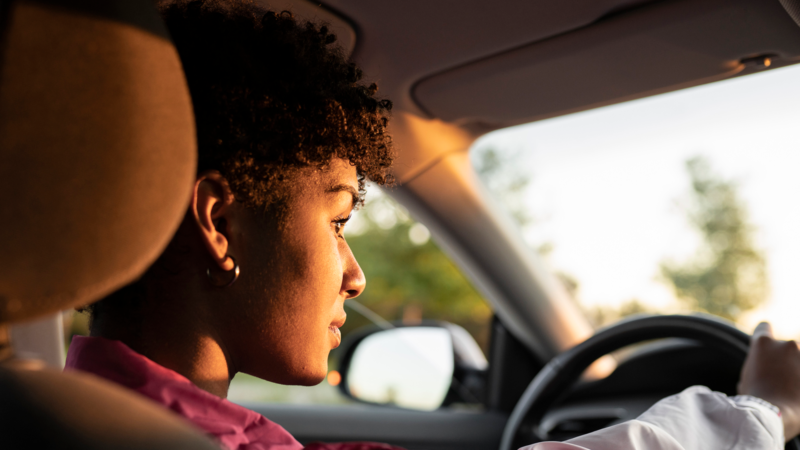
334,378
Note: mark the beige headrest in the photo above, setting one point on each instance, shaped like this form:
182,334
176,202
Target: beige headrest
97,150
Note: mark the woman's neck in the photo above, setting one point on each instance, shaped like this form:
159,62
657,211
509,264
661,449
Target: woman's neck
177,340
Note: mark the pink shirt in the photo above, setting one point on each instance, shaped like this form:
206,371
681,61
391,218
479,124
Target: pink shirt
234,426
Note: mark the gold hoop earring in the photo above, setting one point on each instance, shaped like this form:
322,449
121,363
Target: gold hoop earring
235,274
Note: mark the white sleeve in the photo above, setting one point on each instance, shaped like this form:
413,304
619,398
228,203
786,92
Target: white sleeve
695,419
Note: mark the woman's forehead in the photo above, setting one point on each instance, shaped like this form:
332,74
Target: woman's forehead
342,177
337,176
338,172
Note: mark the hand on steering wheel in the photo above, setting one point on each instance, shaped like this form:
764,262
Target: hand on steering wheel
765,375
771,372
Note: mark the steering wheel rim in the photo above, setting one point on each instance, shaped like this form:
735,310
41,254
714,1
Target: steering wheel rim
562,371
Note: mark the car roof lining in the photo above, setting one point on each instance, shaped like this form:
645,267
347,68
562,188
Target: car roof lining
403,42
653,49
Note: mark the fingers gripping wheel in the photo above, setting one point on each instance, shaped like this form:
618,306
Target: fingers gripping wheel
563,371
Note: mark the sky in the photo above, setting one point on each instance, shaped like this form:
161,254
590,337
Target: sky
609,187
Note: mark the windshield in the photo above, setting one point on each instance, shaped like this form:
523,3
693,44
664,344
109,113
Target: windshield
688,201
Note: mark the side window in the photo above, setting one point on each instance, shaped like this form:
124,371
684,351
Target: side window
409,280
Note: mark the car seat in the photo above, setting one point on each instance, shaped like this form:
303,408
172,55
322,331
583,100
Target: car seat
97,160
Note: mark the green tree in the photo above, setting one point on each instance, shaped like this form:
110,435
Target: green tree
728,275
408,277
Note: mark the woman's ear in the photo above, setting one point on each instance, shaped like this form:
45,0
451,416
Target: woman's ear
211,205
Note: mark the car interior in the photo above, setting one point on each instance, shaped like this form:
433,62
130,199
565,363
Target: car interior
86,85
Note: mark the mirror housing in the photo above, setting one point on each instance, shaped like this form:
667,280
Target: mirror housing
421,367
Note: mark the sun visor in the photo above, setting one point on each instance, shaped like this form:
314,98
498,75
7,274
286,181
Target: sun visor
97,150
645,51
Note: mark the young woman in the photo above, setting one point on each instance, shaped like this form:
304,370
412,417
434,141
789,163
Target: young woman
255,279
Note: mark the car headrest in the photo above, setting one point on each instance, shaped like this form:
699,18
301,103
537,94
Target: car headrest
96,138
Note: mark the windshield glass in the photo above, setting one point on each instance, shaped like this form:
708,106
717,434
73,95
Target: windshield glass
688,201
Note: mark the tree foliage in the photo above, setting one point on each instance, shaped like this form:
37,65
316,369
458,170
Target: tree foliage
728,276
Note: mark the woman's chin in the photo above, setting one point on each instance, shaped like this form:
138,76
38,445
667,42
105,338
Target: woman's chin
304,365
294,375
310,379
310,376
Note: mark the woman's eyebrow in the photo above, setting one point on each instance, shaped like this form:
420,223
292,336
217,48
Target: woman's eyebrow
345,188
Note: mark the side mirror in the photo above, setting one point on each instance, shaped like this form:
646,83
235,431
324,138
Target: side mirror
416,367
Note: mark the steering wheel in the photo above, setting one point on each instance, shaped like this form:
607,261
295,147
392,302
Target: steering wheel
552,382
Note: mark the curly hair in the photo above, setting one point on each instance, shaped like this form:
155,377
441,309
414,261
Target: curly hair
272,95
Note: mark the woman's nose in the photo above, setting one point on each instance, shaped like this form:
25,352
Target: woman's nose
353,281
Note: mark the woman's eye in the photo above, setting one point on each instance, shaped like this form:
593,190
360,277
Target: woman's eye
339,228
338,225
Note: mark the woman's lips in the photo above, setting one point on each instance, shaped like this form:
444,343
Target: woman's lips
333,328
337,335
